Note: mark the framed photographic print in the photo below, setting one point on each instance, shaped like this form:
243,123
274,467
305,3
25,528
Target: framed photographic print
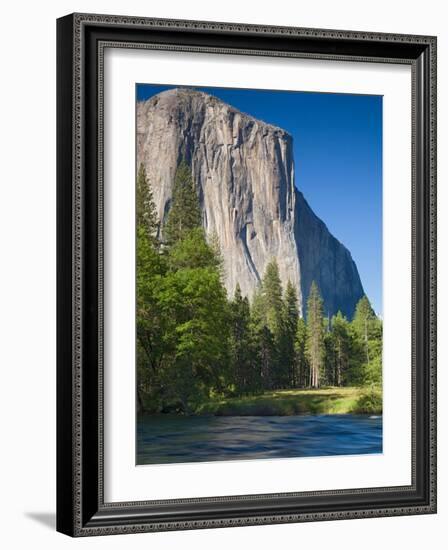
246,274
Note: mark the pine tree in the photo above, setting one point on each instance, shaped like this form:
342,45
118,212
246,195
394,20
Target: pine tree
291,316
271,289
240,344
264,349
373,373
301,370
215,247
192,251
273,311
315,335
366,355
327,375
267,321
362,321
342,348
266,355
367,329
184,214
146,213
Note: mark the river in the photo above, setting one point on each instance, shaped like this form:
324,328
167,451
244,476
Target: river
167,439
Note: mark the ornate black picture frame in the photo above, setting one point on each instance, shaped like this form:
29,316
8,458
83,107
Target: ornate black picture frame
81,509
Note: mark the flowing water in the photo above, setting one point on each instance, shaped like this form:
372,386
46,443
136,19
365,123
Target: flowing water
168,438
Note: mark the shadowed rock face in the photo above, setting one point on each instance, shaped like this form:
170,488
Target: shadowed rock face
244,172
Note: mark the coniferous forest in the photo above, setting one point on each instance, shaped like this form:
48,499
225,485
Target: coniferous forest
197,346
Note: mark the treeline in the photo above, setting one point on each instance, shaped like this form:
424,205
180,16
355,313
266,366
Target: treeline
194,344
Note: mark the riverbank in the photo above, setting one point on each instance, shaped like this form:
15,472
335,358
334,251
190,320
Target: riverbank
294,402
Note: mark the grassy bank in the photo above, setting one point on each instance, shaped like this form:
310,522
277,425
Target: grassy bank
291,402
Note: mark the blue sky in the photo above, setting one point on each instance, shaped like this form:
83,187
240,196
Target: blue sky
338,162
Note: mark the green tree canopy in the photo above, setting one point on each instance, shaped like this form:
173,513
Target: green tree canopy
192,251
151,268
243,371
184,214
195,302
194,344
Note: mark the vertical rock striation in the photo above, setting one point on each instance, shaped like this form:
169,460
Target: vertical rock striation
244,172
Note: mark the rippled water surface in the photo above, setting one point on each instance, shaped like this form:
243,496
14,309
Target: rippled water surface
165,439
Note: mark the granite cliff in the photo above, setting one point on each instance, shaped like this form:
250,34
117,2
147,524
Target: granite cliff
244,172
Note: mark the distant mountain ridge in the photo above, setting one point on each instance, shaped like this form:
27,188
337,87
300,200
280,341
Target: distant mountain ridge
244,172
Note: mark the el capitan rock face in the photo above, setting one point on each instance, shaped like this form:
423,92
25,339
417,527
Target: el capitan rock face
244,172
